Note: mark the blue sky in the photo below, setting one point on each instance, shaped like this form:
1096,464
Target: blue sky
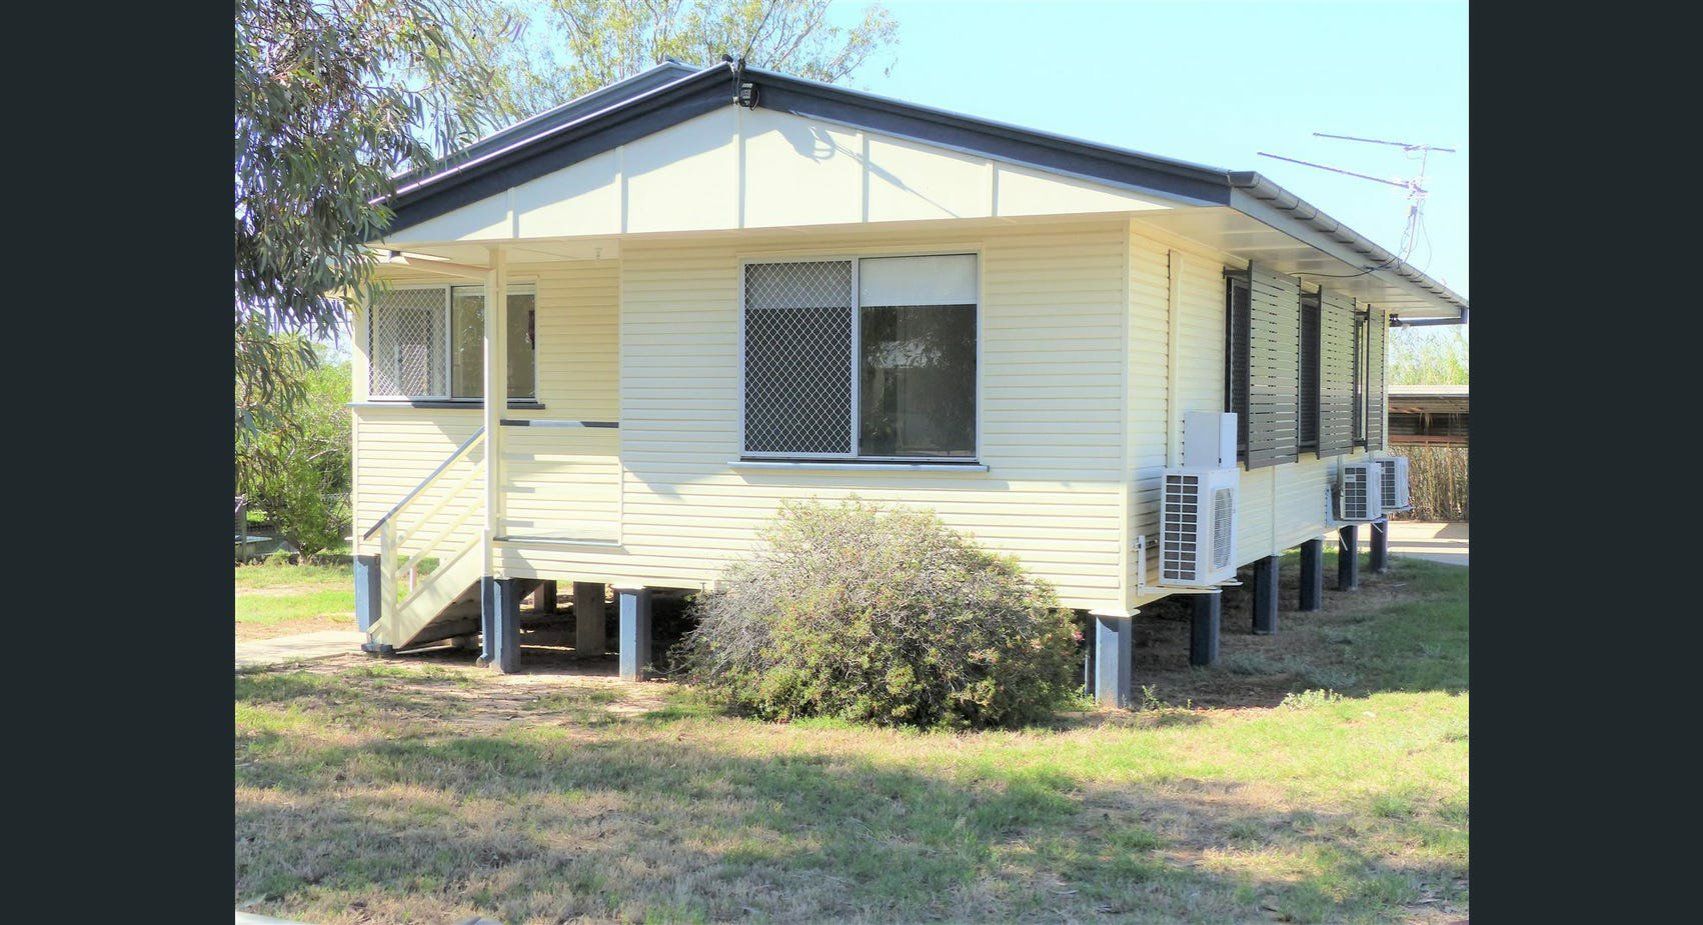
1214,83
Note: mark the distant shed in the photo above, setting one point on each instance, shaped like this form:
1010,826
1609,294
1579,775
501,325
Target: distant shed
1435,415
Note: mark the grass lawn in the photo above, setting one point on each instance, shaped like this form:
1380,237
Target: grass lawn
279,599
422,789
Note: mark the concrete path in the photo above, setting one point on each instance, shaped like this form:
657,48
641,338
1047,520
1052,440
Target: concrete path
303,645
1436,542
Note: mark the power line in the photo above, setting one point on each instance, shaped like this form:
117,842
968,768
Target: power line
1417,191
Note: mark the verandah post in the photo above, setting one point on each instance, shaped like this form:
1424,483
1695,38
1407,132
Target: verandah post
591,626
502,623
635,632
1265,595
1204,628
493,600
369,602
1113,659
1312,574
1380,558
544,599
1348,558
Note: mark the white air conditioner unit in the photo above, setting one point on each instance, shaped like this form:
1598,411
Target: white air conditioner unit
1358,499
1392,483
1197,526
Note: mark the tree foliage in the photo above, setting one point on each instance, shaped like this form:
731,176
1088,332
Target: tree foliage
333,97
299,475
566,48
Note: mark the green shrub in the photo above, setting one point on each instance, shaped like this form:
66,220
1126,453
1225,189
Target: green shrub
883,616
298,471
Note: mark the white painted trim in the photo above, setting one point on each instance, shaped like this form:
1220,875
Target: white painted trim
530,287
553,541
1174,260
1126,449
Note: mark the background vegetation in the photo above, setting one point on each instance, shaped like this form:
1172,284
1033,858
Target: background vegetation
299,474
1429,356
1437,475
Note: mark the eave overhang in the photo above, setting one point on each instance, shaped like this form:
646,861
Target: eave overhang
671,94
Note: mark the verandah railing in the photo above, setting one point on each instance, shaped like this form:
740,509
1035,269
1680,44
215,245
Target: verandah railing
419,530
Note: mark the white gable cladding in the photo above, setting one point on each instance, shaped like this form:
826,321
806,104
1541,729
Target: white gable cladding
736,168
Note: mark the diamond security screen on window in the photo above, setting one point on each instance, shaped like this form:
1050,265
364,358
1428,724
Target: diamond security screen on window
406,334
873,358
798,358
917,357
467,333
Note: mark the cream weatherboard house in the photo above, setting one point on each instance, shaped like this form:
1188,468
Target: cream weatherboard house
712,290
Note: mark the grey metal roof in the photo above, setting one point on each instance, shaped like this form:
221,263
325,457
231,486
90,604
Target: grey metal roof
672,92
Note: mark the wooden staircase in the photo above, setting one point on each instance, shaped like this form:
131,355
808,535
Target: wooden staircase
431,523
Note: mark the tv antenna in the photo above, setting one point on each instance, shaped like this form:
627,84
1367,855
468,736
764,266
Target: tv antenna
1415,186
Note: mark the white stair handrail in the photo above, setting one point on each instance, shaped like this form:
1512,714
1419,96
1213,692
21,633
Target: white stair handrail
413,493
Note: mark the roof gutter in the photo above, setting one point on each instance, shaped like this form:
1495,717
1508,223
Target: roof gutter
1193,184
605,121
1254,195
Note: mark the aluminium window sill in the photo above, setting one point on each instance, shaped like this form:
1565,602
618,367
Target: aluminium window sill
851,465
455,404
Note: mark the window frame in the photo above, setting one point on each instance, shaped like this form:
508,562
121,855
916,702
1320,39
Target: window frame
854,367
445,319
1314,302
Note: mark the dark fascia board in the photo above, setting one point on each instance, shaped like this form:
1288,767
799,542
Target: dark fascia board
644,108
1192,184
601,98
1264,200
550,149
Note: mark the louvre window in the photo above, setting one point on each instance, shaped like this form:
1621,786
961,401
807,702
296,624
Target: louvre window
1338,374
1304,372
1377,343
1236,331
1264,366
873,358
428,343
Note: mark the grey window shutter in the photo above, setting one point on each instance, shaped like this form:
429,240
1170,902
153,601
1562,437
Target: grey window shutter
1336,373
1274,367
1310,368
1377,341
1236,357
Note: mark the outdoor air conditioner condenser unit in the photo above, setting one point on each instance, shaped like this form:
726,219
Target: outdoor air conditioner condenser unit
1392,484
1197,527
1358,499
